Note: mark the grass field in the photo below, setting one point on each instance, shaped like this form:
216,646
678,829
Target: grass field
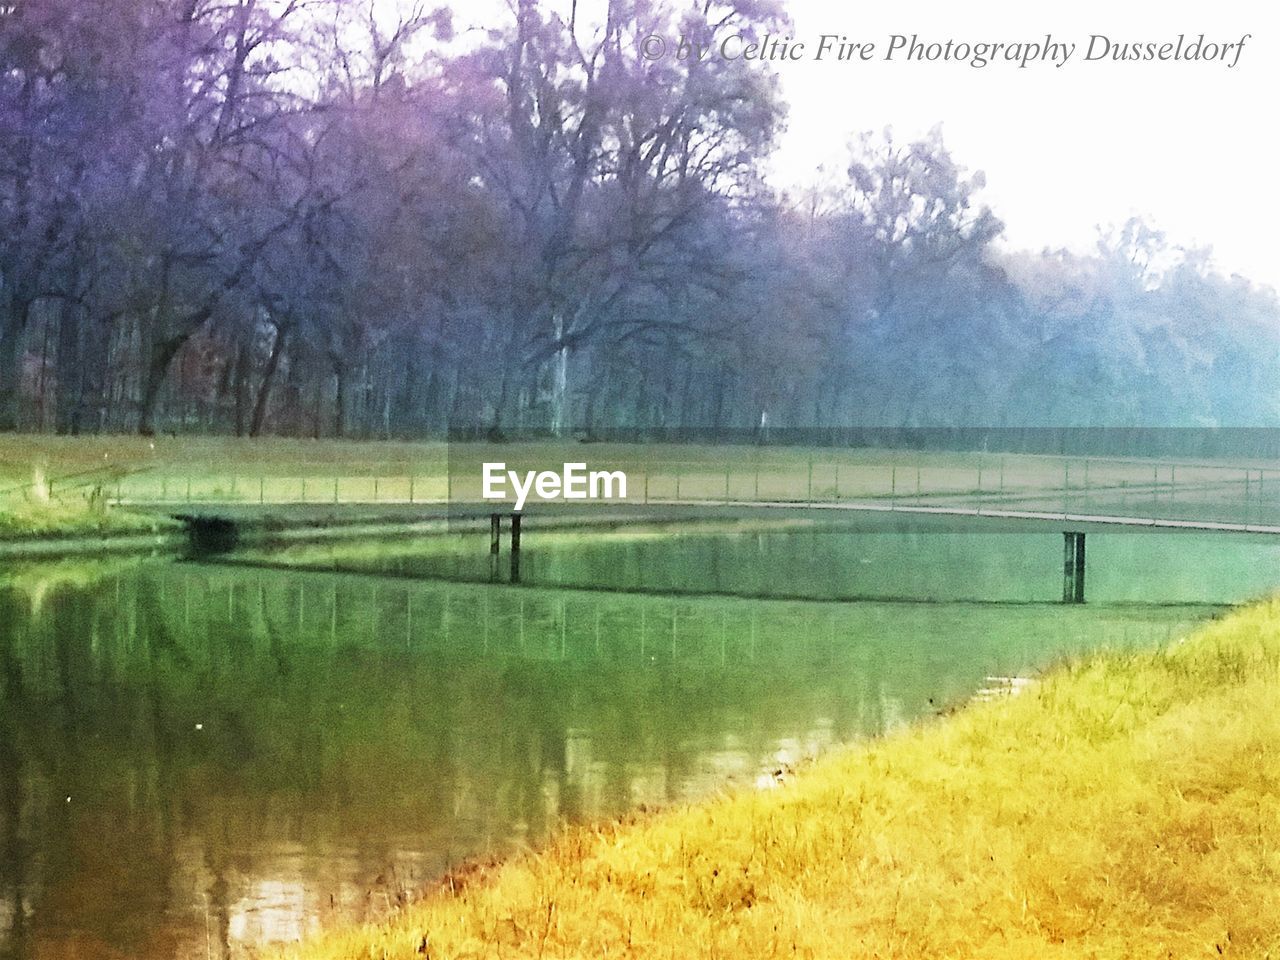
1123,807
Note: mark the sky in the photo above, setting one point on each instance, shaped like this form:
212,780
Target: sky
1191,146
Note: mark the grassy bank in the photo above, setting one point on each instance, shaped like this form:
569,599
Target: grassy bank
1126,806
76,518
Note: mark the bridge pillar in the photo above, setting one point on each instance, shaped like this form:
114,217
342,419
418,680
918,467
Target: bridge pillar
515,548
1073,567
495,543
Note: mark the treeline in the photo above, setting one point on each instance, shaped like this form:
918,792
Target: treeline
330,218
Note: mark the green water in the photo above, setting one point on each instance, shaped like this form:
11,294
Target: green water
197,759
811,562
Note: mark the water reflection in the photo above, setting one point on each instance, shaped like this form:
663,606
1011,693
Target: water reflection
195,760
808,561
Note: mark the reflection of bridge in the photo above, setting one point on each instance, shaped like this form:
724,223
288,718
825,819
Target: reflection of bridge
1073,587
217,528
882,489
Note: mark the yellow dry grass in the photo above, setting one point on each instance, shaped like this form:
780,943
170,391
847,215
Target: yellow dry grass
1124,807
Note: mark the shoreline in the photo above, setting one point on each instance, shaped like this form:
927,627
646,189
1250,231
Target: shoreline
148,528
52,531
1120,806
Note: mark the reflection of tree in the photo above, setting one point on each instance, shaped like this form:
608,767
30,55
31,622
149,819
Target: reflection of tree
13,854
219,912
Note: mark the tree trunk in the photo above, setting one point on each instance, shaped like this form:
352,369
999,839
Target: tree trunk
268,379
157,372
240,386
339,400
11,362
70,366
497,422
560,385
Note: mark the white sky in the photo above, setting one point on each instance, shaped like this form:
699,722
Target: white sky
1192,146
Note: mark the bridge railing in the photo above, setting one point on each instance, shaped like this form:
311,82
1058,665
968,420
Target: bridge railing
1201,491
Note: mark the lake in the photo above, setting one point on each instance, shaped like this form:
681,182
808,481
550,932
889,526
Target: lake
197,758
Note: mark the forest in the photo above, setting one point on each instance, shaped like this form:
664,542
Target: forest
330,218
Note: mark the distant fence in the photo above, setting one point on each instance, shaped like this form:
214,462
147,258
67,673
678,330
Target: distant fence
1187,443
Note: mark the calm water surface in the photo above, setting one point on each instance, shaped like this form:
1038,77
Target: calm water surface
199,759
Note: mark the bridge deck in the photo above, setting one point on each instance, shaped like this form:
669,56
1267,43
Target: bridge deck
285,515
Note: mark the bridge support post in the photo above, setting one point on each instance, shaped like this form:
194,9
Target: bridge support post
1073,567
515,548
495,543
